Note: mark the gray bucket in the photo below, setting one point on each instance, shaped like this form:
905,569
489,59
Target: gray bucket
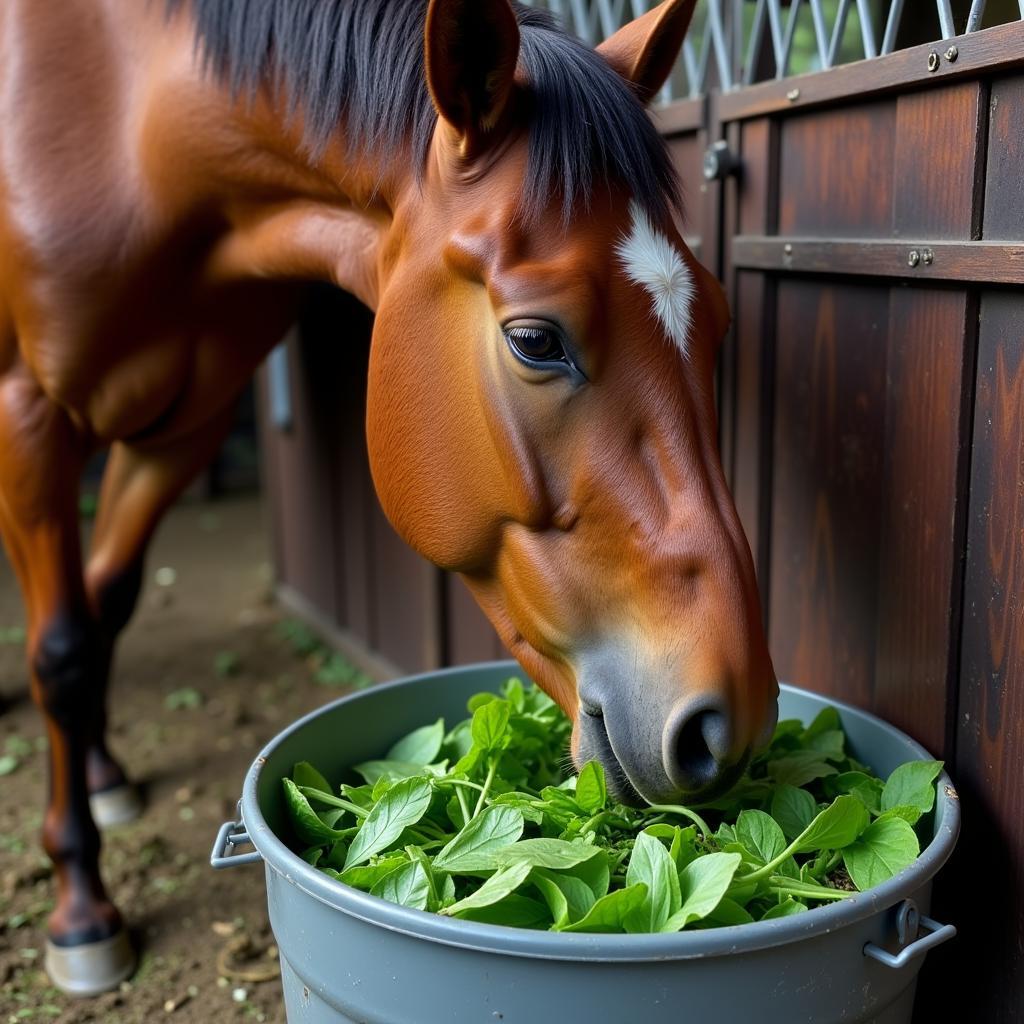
348,956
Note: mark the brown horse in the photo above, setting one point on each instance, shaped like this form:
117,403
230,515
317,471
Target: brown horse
541,415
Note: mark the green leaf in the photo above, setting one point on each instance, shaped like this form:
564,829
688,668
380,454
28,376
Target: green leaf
474,847
794,809
886,847
912,785
911,815
651,864
728,912
395,771
591,792
515,911
787,908
304,820
407,886
826,720
702,883
578,897
610,912
545,853
366,876
490,724
800,767
558,904
403,805
594,873
867,789
304,774
8,764
835,827
760,834
829,744
421,746
496,888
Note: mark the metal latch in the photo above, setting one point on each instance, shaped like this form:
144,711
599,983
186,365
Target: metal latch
909,925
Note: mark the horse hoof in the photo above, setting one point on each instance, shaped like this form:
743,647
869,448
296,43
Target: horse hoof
91,968
118,805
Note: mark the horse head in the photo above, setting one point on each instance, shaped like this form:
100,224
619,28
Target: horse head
541,410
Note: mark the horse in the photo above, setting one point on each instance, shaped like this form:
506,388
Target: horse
541,421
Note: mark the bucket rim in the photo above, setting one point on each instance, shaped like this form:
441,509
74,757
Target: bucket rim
511,941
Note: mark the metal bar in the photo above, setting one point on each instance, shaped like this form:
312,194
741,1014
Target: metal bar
754,43
837,32
867,30
945,19
714,25
690,67
787,42
820,31
977,13
935,935
892,26
775,24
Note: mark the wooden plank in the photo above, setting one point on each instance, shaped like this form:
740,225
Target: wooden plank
679,116
827,484
939,137
990,750
1004,211
994,49
836,172
919,580
982,262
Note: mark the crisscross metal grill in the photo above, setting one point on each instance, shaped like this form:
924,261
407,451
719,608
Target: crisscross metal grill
738,42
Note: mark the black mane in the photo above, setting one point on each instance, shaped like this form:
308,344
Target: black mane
359,63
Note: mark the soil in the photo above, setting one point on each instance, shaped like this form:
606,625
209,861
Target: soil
209,670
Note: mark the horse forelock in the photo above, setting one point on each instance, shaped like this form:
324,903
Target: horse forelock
359,65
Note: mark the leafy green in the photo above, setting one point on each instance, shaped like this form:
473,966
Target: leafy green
480,822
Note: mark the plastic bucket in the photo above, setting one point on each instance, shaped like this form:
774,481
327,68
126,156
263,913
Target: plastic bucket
348,956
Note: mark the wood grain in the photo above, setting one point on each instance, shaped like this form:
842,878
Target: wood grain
1004,211
836,174
827,485
990,752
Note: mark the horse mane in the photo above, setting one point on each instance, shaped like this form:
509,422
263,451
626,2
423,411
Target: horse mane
359,64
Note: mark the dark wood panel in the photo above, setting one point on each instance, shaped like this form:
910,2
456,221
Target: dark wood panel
938,144
1004,208
979,53
827,485
918,607
470,635
836,173
990,751
919,260
679,116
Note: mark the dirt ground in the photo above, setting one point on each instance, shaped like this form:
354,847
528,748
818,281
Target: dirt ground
208,671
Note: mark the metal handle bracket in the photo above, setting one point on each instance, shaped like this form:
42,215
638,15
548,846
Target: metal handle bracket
232,834
910,924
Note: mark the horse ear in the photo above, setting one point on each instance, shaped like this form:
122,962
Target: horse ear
644,51
472,47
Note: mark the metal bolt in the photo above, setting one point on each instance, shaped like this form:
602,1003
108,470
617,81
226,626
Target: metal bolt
793,95
788,249
927,257
913,258
952,53
933,61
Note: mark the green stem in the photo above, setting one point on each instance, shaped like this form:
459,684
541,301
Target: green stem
487,785
332,801
684,811
790,887
462,782
463,806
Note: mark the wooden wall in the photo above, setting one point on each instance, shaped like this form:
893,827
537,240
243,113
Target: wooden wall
872,427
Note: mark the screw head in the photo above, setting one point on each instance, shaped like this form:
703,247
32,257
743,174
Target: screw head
927,257
793,95
933,61
788,249
913,258
952,53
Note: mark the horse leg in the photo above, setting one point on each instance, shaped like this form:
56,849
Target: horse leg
41,457
139,484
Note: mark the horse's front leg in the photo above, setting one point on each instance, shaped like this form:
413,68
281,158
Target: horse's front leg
41,458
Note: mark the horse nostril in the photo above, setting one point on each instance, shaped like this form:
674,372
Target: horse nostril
696,751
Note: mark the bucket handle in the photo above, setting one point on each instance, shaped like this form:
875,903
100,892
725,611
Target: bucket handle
232,834
909,923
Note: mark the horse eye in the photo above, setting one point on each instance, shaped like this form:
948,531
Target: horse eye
536,344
